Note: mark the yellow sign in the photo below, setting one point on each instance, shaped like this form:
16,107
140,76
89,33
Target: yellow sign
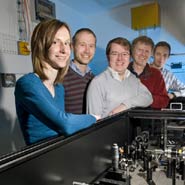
145,16
23,48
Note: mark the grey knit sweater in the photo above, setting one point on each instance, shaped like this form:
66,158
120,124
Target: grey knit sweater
106,93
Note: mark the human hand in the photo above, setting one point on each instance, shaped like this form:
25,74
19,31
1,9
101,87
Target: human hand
171,96
118,109
97,117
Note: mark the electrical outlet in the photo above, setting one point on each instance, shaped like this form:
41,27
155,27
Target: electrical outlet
8,79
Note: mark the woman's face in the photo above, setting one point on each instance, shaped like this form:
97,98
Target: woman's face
60,50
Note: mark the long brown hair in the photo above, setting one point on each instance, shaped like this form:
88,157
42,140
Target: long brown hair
42,38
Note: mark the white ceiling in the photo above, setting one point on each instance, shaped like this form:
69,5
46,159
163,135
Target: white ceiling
89,7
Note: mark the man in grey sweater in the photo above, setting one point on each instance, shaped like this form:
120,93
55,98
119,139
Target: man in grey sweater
116,89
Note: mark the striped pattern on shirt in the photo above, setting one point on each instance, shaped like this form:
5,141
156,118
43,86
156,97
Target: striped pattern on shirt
173,84
75,87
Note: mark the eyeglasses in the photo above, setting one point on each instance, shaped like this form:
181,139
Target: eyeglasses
117,54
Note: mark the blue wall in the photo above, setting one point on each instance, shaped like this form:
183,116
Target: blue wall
114,23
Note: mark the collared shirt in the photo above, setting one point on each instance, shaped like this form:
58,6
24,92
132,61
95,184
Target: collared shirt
145,74
172,83
77,70
116,76
75,84
105,93
153,80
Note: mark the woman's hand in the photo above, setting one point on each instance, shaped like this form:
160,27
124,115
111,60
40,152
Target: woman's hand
96,116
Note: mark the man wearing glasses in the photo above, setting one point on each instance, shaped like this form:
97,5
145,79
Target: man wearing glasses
116,89
152,78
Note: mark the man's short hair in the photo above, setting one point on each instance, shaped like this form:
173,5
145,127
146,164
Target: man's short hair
119,40
143,39
163,44
88,30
